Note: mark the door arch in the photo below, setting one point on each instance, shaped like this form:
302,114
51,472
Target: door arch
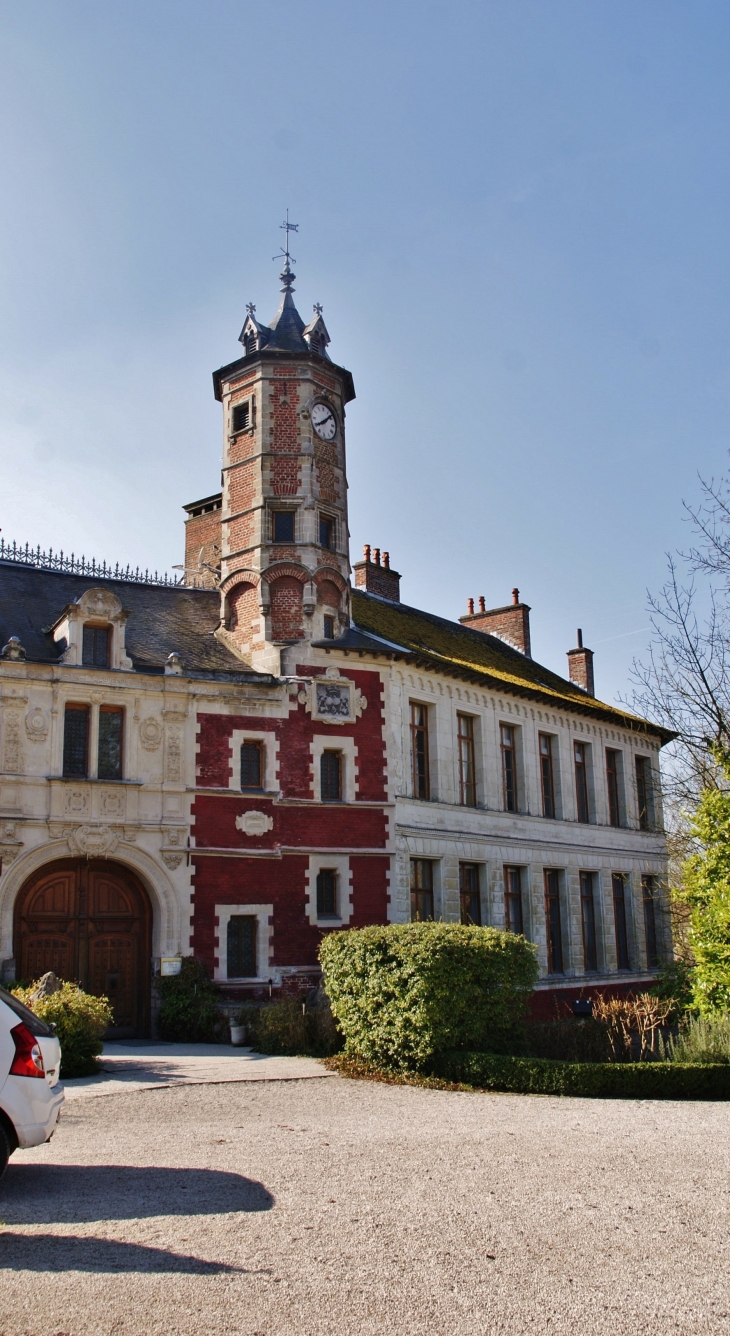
89,920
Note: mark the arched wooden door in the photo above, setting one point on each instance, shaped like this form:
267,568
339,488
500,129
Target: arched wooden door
89,921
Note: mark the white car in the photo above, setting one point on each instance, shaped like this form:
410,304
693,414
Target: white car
30,1093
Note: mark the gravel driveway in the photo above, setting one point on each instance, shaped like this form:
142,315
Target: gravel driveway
329,1208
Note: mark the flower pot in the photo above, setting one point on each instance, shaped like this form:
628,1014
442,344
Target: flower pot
238,1035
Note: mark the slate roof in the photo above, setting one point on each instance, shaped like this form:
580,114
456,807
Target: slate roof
393,628
162,620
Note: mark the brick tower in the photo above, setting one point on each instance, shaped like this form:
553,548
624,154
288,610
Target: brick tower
284,549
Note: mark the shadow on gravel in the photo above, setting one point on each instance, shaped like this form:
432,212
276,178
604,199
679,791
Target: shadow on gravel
73,1193
58,1252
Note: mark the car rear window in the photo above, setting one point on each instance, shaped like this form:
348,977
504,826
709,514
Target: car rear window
34,1023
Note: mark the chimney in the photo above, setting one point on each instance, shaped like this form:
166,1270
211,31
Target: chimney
511,623
580,666
376,577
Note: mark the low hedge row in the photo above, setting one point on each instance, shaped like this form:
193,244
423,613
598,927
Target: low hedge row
597,1080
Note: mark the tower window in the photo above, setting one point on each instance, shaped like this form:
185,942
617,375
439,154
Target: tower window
581,781
650,924
330,777
327,893
467,770
588,920
326,532
95,647
612,781
513,900
76,741
643,789
509,769
283,526
241,418
618,882
471,910
329,627
241,943
252,767
421,890
548,779
419,751
552,917
111,726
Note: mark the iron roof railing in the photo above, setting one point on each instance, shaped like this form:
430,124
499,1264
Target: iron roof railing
73,565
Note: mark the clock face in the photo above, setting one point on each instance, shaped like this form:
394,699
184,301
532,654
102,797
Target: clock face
323,421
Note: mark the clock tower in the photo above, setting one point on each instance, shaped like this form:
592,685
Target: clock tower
284,540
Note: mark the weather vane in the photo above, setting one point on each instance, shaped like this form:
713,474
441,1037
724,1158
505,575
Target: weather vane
284,252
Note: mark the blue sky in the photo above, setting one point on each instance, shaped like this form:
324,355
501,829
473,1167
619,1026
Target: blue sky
515,214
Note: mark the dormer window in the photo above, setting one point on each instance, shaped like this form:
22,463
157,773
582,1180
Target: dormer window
242,416
251,344
95,647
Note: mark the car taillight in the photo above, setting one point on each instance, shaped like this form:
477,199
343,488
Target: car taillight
28,1060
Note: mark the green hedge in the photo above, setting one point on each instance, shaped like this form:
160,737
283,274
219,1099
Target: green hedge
189,1013
403,993
80,1020
596,1080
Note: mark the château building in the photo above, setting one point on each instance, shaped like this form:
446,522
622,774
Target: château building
237,763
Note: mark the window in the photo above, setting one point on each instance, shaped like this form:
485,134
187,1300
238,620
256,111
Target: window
329,628
471,910
614,811
76,741
242,947
330,776
643,790
419,751
326,531
546,775
509,769
619,917
251,344
283,526
95,647
588,919
252,765
421,890
552,918
111,727
327,893
581,780
241,419
467,781
513,899
647,895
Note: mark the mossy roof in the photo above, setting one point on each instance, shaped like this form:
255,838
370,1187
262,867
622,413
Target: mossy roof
460,651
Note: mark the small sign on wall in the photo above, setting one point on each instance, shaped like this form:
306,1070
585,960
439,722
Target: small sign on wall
170,965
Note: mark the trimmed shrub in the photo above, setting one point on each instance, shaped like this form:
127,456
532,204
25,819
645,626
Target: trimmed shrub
705,1039
283,1028
566,1040
80,1020
402,993
189,1013
594,1080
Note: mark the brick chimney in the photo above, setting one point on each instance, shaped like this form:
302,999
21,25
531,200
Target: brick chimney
580,666
511,623
376,577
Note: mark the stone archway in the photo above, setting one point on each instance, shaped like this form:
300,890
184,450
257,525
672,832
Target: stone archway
89,920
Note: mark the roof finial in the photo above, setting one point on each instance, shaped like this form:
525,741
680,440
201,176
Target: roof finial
251,308
318,308
286,276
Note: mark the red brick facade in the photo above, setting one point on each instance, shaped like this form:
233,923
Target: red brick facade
277,873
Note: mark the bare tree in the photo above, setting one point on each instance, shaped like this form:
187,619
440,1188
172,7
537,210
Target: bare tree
684,682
